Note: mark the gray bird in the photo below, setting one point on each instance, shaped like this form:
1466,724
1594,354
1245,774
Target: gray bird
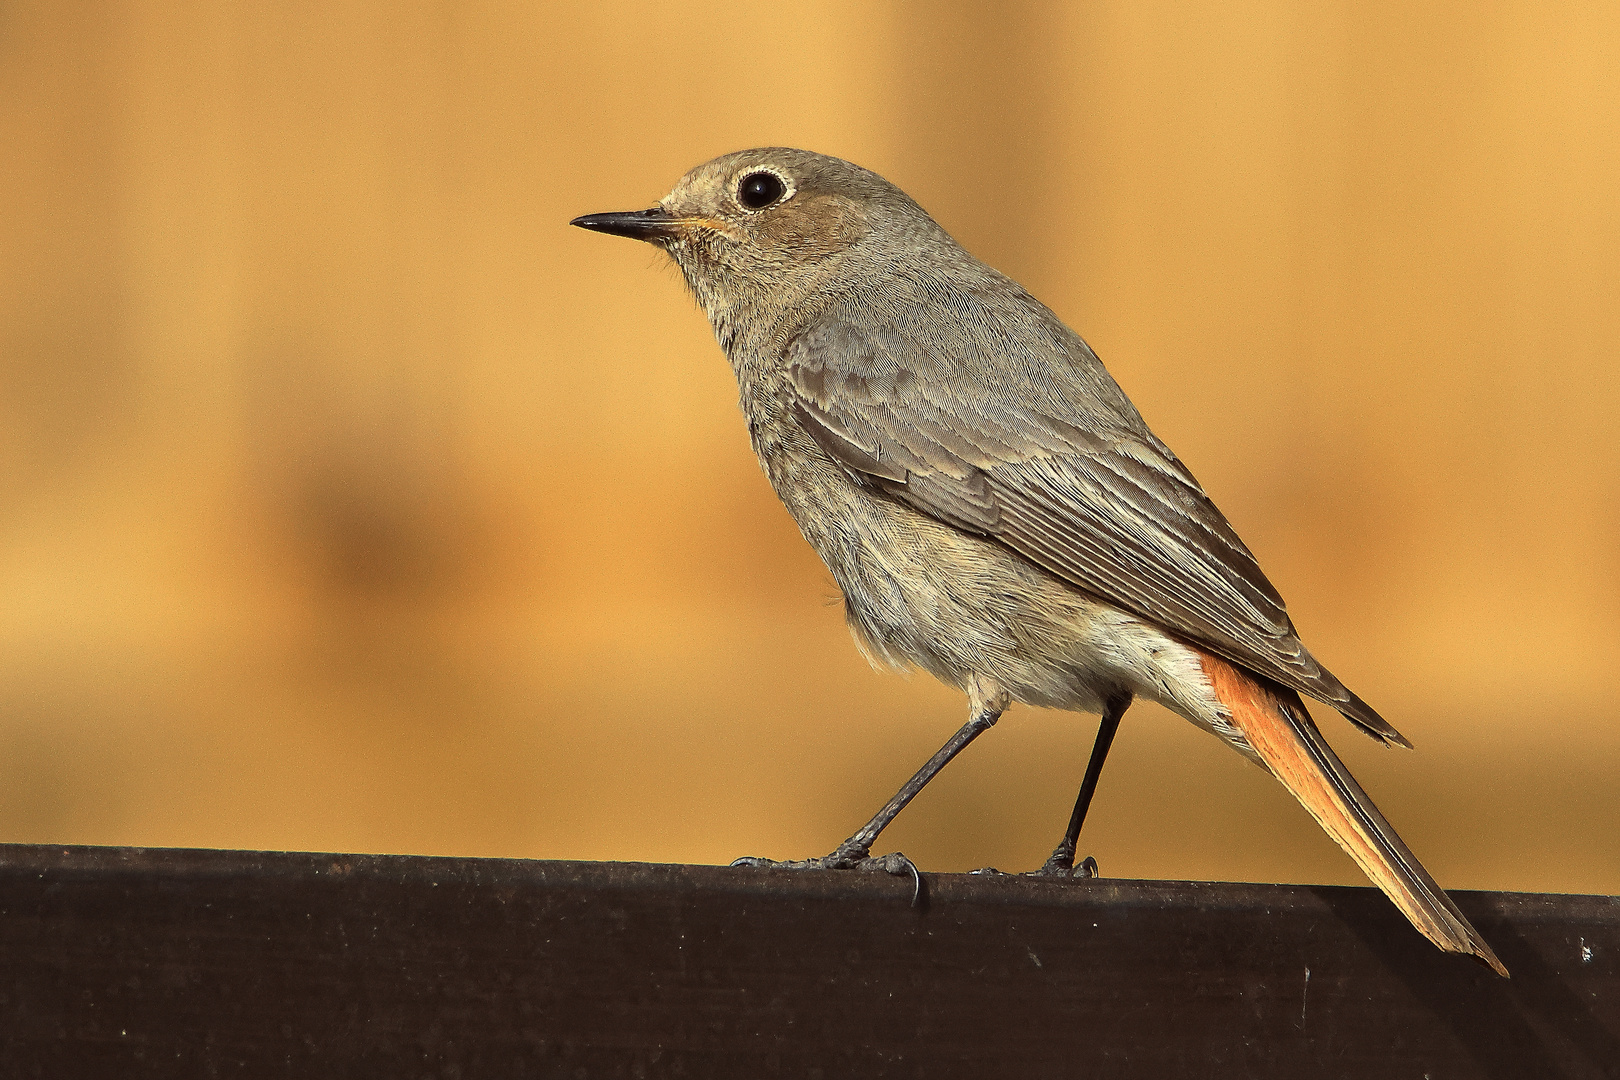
991,504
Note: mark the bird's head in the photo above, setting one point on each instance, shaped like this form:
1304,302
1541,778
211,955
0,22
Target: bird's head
774,227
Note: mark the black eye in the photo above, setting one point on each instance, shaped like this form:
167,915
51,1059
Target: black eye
758,190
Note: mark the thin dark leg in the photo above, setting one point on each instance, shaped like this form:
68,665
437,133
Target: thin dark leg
860,845
857,849
1061,864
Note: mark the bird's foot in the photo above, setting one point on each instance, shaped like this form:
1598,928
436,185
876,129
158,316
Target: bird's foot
1062,865
848,856
1053,868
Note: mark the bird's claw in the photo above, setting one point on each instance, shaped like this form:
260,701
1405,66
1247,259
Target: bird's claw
1058,867
848,858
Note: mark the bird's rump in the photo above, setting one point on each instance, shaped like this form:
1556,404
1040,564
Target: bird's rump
1095,500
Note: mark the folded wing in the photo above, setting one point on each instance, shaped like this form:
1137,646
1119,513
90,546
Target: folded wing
1094,499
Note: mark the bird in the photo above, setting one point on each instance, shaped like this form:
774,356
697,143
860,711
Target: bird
990,503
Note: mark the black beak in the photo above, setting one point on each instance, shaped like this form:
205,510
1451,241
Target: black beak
650,225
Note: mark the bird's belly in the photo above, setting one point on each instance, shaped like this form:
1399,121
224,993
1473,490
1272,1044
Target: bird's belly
919,592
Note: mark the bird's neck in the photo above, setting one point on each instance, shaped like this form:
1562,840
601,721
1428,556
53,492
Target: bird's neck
754,325
754,330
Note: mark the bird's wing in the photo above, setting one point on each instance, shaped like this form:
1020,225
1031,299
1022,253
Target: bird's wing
1114,513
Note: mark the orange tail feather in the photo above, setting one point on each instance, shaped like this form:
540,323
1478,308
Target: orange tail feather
1275,723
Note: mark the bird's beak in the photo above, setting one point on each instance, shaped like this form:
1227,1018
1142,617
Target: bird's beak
651,225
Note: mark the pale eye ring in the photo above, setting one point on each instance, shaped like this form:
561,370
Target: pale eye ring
760,189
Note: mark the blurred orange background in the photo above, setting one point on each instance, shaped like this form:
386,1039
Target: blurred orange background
353,501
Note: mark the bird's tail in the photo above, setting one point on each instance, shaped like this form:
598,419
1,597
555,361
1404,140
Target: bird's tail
1275,723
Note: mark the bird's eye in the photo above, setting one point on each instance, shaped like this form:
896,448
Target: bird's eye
758,190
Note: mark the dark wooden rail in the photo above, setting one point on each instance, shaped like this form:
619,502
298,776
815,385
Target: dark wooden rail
125,962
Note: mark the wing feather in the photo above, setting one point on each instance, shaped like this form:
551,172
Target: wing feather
1100,503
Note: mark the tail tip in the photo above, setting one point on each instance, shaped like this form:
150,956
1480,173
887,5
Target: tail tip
1488,958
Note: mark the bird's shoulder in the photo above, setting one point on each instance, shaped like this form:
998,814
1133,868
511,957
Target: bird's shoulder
971,365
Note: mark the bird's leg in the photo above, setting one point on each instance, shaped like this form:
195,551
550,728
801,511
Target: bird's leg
1061,863
989,701
858,847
